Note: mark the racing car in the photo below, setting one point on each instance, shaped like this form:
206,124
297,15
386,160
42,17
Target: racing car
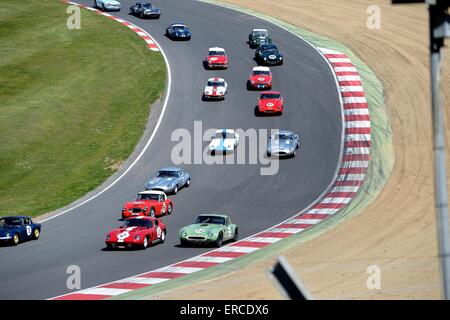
169,180
178,31
14,230
215,89
284,143
217,58
107,5
260,78
212,229
139,232
258,37
268,54
148,203
145,10
224,141
270,102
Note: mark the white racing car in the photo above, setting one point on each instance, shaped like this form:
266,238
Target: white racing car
215,89
107,5
224,141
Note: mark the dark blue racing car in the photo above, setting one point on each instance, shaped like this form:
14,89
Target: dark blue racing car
178,31
14,230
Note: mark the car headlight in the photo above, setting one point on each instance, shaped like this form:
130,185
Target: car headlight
108,237
210,235
137,237
265,58
170,185
281,58
184,234
145,208
8,235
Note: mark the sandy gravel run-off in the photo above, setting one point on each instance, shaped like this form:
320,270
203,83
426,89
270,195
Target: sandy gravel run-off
397,232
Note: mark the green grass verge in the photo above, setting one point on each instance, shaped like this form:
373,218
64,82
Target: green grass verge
380,168
73,103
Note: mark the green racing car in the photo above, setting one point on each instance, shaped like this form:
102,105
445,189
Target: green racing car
209,229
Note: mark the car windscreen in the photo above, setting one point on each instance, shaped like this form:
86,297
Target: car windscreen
138,223
147,6
270,96
179,28
10,222
148,197
261,73
283,136
216,53
261,34
163,174
210,219
216,84
224,135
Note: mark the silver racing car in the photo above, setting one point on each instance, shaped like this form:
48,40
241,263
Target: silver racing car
283,144
169,180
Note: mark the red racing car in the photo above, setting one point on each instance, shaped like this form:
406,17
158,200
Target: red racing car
260,78
151,203
270,102
217,58
139,232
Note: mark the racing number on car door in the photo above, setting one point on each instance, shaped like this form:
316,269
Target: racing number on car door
163,209
158,232
28,230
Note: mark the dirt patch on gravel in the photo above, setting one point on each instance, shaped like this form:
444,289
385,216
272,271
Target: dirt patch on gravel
397,232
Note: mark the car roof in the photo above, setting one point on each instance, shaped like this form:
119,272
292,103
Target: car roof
20,217
178,24
216,49
152,192
216,79
141,2
261,69
142,218
270,92
225,130
213,215
263,30
170,169
285,132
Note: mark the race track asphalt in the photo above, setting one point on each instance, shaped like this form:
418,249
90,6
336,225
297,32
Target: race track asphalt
37,269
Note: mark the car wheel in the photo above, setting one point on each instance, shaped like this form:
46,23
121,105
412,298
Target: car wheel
163,236
36,234
145,243
175,190
298,146
103,7
236,235
142,15
188,182
152,212
15,239
169,209
183,243
269,154
219,240
109,246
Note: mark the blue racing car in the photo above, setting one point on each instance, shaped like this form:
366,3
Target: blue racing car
14,230
178,31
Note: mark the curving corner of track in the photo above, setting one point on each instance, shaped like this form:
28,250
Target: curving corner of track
151,43
348,179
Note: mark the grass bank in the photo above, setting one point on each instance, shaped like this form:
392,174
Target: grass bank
73,103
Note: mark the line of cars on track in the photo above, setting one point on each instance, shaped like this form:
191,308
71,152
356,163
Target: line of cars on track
142,224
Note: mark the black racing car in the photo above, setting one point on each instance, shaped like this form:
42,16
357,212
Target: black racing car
268,54
178,31
145,10
258,37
